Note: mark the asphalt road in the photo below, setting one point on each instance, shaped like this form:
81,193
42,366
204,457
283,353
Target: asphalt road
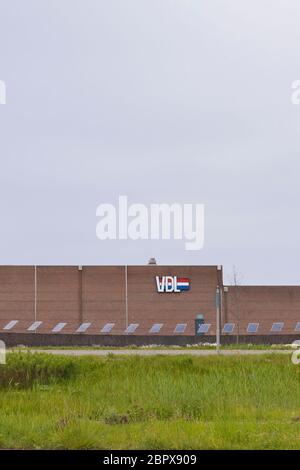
155,352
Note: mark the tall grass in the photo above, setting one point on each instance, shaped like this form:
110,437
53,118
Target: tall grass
150,402
26,369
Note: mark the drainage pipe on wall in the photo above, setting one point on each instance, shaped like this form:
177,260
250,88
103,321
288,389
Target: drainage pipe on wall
35,293
126,298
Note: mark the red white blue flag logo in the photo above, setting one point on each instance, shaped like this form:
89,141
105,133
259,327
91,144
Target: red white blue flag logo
172,283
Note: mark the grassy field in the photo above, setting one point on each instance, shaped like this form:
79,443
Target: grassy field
149,402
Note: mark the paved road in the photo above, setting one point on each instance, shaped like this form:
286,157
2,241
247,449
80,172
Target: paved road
154,352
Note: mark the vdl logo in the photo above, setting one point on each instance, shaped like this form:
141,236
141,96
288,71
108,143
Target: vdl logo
172,284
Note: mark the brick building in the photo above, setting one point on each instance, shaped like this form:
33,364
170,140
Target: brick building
140,300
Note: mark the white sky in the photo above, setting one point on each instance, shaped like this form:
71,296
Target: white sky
160,100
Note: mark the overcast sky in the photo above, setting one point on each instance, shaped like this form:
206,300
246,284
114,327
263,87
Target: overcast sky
162,101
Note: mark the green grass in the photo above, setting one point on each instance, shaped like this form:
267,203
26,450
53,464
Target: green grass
25,370
180,402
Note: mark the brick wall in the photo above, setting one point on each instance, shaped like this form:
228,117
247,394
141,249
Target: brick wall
264,305
147,306
16,295
97,295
